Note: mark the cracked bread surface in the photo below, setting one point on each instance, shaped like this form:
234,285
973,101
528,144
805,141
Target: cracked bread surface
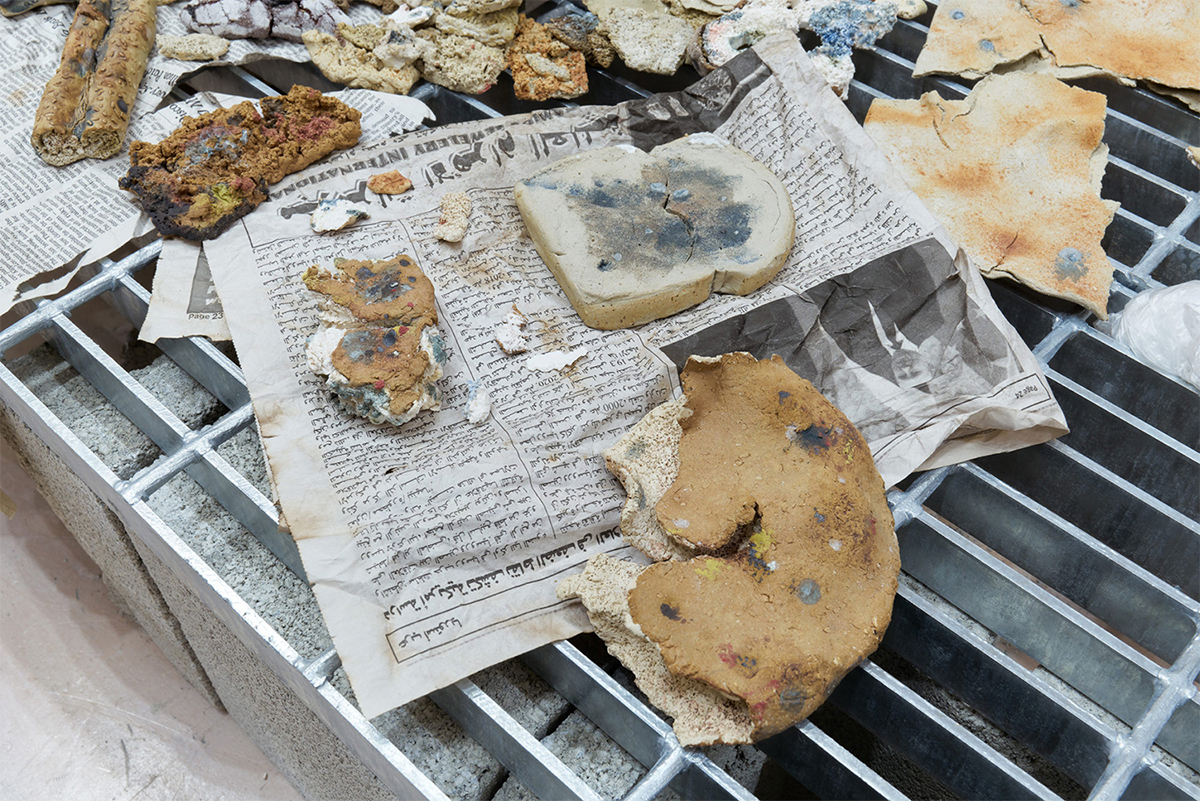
633,236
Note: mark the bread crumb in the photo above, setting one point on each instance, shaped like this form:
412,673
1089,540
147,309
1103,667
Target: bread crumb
456,213
389,183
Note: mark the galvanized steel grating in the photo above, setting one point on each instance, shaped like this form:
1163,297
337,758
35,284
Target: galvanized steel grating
1044,641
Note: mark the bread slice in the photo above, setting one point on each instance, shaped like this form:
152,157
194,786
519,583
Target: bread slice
85,108
633,236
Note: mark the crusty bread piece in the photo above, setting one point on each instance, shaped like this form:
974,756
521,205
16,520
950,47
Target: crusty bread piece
778,562
1157,41
1013,172
85,108
632,236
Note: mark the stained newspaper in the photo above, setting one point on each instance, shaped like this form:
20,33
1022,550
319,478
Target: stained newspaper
434,548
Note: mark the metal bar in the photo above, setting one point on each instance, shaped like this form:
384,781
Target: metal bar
926,735
505,739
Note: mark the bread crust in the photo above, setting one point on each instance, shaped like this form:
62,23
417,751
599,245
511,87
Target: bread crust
86,105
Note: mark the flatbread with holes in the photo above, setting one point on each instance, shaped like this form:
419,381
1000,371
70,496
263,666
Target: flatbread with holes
1156,41
1013,171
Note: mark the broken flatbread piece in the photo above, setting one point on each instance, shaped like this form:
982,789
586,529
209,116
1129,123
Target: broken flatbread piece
789,564
378,344
85,108
215,168
634,236
192,47
1157,42
1013,171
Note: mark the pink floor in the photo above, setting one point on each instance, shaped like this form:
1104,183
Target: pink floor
89,707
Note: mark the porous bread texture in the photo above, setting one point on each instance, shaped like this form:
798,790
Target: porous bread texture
1153,41
458,62
84,110
581,31
1014,172
543,67
796,561
466,8
192,47
377,342
455,216
649,41
495,28
646,460
702,716
340,59
215,168
389,183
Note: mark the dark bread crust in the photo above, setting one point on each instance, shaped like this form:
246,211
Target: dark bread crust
215,168
85,108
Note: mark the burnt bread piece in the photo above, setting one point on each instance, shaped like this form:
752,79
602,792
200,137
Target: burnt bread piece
86,105
215,168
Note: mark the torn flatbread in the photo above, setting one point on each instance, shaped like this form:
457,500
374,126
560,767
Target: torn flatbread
1156,41
1013,171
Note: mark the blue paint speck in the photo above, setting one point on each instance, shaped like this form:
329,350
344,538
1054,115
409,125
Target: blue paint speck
987,46
958,14
658,188
681,194
439,348
1070,264
820,517
784,395
809,591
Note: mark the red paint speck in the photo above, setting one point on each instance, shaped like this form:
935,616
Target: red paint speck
726,655
379,384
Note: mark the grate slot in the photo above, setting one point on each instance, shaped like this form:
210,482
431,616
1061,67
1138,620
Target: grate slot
130,398
623,718
886,707
515,748
1135,525
1180,265
1128,238
1153,462
1067,560
1010,696
824,766
1140,193
1050,631
1144,393
1156,784
198,356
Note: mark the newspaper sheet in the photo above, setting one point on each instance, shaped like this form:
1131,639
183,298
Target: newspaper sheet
184,301
434,548
81,200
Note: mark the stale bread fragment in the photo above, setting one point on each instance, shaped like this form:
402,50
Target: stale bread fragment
215,168
85,107
1157,42
778,558
1013,171
632,236
377,344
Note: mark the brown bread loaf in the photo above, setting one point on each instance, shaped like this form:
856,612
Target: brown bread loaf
86,106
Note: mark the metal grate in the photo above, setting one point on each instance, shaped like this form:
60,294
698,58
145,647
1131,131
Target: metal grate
1044,640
